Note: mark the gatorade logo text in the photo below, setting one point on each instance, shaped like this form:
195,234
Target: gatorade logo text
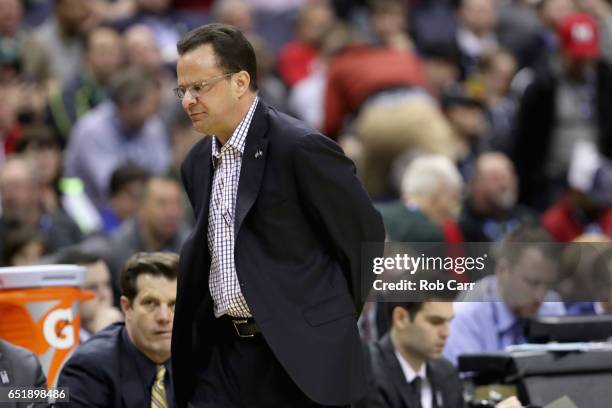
58,329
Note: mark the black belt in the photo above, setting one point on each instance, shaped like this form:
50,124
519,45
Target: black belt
241,326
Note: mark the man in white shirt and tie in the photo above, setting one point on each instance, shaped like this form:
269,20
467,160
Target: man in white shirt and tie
408,369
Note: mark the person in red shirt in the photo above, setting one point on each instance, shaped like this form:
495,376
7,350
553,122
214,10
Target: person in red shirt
295,60
382,92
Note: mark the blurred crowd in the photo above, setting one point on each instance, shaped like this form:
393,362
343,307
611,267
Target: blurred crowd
467,120
505,104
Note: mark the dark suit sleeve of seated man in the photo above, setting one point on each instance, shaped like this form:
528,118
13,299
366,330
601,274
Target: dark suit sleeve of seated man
85,380
336,201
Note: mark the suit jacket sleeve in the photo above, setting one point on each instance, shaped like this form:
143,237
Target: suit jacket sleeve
86,382
337,204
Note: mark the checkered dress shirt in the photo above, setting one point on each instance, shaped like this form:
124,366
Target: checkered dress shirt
223,281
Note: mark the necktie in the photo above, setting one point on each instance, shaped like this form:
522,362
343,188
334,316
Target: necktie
158,392
415,386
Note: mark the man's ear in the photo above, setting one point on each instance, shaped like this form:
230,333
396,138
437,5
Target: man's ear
242,80
125,304
399,317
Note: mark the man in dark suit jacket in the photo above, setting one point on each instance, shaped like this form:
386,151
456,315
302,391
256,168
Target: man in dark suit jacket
128,364
20,368
269,281
407,367
412,349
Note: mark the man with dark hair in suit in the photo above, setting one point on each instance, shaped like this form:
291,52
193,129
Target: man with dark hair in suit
269,282
128,364
20,368
408,369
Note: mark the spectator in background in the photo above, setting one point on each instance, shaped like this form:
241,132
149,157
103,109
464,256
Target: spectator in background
40,145
157,226
601,10
297,59
99,312
12,38
126,191
586,205
103,56
494,314
566,103
62,37
183,137
584,283
23,246
491,211
165,23
11,14
465,113
22,72
21,206
475,36
431,197
128,364
125,129
271,88
19,53
389,22
519,29
142,50
496,72
10,128
306,99
551,13
238,13
442,67
385,91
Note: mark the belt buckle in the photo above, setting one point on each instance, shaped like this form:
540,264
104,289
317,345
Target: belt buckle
236,323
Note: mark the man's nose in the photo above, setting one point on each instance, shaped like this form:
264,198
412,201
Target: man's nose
164,313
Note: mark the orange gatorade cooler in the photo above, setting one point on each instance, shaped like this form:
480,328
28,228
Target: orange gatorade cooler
40,310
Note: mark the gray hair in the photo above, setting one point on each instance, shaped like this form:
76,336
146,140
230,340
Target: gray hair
428,173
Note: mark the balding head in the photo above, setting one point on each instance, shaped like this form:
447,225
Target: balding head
494,187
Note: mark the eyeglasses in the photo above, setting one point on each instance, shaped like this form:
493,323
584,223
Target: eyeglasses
198,89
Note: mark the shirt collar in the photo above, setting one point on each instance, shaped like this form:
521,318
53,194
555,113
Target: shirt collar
238,138
146,367
409,372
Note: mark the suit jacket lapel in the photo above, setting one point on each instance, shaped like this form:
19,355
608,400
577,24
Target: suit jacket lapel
253,164
203,179
440,384
396,373
132,391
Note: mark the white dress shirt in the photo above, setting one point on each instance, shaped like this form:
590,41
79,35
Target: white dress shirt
410,374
